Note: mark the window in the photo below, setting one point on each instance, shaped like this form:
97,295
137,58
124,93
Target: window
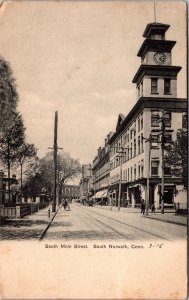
128,174
141,121
131,153
135,172
154,86
155,117
167,169
142,143
139,170
154,167
155,140
167,118
184,120
139,145
131,173
138,88
134,148
167,137
138,124
167,86
142,168
141,90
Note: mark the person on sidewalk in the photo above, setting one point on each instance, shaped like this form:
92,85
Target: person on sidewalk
65,204
153,210
142,205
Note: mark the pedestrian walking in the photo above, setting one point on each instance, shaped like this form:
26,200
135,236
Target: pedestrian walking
65,203
153,210
142,206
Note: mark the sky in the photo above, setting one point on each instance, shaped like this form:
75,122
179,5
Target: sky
79,58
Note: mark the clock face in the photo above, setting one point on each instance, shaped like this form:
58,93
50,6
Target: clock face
159,58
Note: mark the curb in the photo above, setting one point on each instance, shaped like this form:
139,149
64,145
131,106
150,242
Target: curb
166,221
44,232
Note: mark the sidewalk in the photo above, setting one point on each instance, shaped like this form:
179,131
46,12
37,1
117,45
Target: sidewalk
169,218
169,215
30,227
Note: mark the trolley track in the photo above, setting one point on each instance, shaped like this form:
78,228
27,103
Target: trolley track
84,214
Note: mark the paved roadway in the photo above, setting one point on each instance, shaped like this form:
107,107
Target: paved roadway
86,223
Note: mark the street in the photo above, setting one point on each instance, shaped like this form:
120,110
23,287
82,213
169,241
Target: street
99,223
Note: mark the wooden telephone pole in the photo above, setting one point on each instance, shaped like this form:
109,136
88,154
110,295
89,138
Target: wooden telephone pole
55,148
55,160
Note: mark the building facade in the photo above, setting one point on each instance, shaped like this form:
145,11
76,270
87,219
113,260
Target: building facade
86,184
71,192
136,146
101,171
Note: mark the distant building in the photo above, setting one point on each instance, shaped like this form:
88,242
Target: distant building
86,184
71,192
101,171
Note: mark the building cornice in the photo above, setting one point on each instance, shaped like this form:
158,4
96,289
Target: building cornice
155,70
155,45
177,104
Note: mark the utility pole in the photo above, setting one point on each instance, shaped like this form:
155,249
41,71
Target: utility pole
55,148
120,181
162,163
148,175
55,160
121,154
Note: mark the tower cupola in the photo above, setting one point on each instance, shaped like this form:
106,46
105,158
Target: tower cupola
156,77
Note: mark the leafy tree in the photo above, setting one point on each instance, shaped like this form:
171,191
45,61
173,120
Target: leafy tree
24,152
10,140
8,94
43,179
177,155
68,168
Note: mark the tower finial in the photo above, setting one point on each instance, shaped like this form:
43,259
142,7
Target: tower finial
155,11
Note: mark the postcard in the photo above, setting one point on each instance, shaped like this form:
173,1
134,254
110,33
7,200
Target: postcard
93,150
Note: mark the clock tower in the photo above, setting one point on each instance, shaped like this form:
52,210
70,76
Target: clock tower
156,77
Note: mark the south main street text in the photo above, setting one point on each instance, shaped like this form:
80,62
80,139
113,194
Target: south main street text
103,246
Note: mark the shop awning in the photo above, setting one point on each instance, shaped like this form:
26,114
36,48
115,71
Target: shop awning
100,194
105,194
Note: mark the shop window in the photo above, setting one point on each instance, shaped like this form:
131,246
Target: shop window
154,86
167,86
154,168
155,118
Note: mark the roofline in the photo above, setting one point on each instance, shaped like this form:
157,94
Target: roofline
150,25
145,102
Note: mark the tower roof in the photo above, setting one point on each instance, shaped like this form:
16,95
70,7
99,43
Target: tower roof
152,28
